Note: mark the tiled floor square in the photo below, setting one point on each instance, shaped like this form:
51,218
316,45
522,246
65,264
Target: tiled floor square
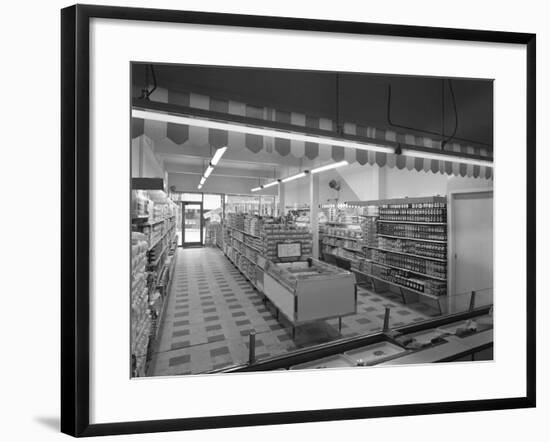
179,345
180,333
283,338
179,360
213,327
216,338
219,351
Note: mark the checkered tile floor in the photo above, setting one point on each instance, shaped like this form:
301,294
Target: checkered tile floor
212,308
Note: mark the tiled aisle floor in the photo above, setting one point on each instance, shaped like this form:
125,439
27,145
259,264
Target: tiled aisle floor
212,308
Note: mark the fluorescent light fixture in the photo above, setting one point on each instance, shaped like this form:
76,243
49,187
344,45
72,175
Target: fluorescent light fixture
208,171
273,183
256,189
203,179
255,130
217,156
443,157
297,136
329,166
200,186
294,177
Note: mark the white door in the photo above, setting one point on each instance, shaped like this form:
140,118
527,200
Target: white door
471,247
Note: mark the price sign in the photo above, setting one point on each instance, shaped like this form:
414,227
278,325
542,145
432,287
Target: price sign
289,250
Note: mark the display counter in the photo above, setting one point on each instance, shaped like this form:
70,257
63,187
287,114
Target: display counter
311,290
459,337
440,344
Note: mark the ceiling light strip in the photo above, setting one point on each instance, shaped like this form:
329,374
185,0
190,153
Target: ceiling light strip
271,184
294,177
217,156
255,130
243,127
329,166
446,157
215,160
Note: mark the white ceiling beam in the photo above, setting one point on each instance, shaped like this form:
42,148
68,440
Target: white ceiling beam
219,171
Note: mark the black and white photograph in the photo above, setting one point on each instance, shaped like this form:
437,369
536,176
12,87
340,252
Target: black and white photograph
286,219
298,219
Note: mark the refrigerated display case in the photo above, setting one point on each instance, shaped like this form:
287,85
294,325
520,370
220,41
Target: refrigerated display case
309,290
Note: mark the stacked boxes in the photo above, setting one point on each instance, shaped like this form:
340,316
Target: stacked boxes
141,316
273,234
253,225
236,220
140,205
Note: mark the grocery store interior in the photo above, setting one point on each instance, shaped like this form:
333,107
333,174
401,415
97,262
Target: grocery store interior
286,220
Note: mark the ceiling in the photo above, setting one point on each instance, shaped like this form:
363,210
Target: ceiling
424,105
421,103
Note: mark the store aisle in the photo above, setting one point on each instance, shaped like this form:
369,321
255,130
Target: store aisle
209,314
212,308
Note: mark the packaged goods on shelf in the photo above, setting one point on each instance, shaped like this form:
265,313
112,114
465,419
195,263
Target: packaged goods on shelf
252,225
350,255
415,231
426,249
413,264
363,265
236,220
369,226
344,242
408,280
140,204
342,213
436,288
353,232
348,244
255,242
433,212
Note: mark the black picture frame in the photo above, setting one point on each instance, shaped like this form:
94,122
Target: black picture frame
75,212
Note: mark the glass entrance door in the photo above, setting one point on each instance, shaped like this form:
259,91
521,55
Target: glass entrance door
192,224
